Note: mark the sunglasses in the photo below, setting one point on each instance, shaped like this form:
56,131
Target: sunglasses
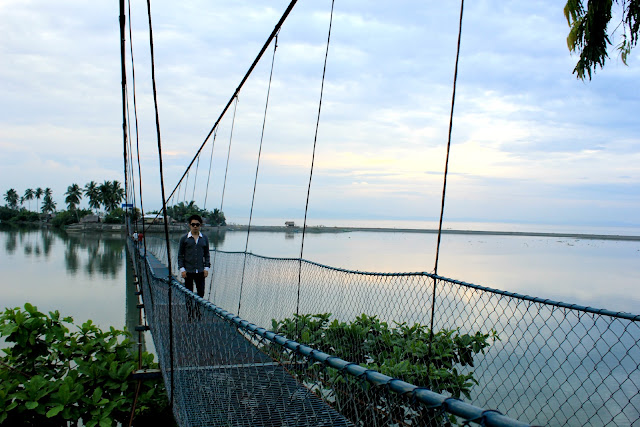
195,224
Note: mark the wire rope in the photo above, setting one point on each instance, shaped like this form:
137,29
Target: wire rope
195,180
255,181
186,188
124,97
224,185
444,186
226,169
313,156
276,29
164,200
206,192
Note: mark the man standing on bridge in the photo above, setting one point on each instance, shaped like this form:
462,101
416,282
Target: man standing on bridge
193,256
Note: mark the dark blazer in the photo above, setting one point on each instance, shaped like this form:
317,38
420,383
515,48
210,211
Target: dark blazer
194,256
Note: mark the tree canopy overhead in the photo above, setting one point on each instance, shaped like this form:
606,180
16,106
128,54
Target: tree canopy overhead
589,37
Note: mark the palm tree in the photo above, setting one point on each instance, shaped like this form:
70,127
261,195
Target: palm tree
28,196
74,194
37,194
48,205
12,198
111,194
92,191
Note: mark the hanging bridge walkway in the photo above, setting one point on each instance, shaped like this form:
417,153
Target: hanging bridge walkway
289,342
552,364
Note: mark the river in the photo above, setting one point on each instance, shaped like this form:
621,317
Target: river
85,275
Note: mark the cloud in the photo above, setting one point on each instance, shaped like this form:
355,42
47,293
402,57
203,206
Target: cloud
529,142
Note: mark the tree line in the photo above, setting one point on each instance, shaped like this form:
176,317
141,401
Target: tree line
109,194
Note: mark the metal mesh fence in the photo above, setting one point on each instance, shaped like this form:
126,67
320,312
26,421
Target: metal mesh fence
538,361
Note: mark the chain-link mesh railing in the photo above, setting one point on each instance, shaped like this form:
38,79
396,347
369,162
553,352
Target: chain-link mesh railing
539,361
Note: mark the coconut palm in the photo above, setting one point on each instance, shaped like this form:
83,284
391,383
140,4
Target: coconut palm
74,194
28,196
37,194
48,205
92,191
12,198
111,194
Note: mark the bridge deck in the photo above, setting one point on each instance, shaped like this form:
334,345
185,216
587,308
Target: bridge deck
214,362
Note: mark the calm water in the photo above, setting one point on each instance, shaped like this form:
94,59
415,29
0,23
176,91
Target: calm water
85,276
597,273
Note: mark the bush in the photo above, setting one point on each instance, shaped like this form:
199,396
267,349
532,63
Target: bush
115,216
180,212
7,213
26,216
51,376
69,217
401,352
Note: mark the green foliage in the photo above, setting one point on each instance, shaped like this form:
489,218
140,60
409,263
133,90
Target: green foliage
25,216
69,217
12,198
117,216
181,212
111,194
400,352
588,31
51,376
17,215
48,205
7,213
74,194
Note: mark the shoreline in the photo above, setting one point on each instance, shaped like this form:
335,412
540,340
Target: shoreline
159,228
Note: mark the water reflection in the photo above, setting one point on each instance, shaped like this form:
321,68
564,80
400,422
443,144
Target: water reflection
81,275
217,238
11,242
91,254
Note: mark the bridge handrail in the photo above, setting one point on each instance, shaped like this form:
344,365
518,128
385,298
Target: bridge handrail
602,311
456,407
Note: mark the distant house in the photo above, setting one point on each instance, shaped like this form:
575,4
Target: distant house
87,219
290,223
156,219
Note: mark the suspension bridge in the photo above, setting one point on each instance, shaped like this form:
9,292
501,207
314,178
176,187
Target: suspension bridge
289,342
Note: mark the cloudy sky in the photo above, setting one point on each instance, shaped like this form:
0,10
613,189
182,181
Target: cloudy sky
530,142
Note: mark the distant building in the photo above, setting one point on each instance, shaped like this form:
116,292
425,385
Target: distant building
290,223
156,219
87,219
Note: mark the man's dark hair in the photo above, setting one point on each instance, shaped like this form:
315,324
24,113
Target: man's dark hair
196,217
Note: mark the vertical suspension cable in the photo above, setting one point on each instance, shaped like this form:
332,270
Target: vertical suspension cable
137,257
186,187
313,156
226,169
444,189
276,29
164,202
224,185
206,192
255,181
195,180
135,115
124,99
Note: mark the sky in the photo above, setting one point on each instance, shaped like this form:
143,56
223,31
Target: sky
530,143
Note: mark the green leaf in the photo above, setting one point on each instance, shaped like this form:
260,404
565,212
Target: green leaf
97,394
31,405
55,411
